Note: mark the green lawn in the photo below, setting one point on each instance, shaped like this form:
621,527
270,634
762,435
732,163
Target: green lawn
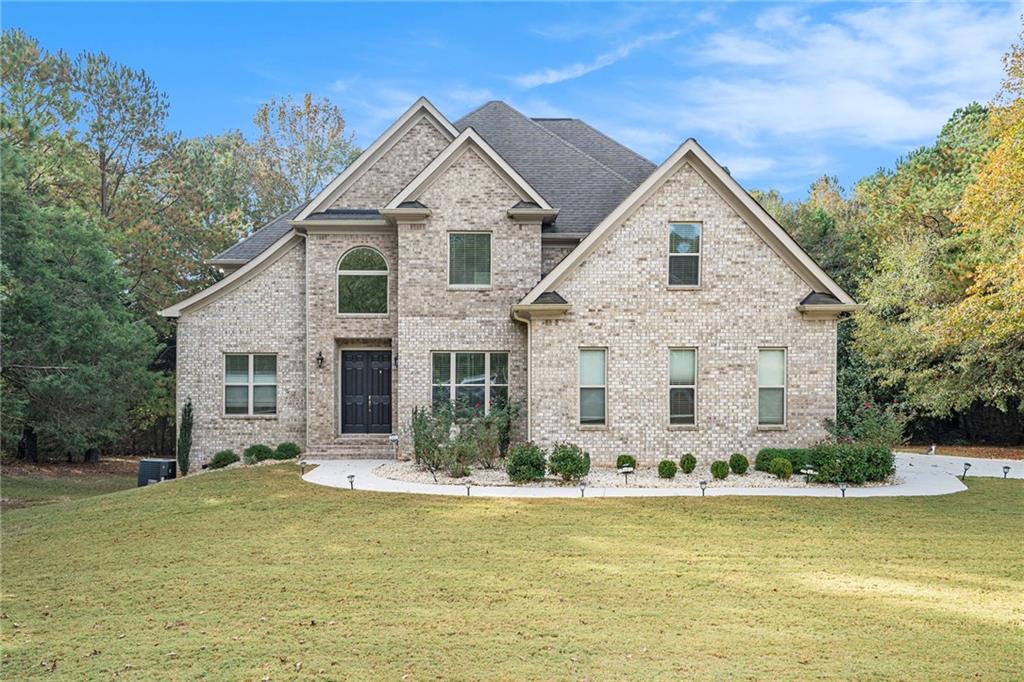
24,490
252,574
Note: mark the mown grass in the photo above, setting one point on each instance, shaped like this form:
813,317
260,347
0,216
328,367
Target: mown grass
253,574
23,490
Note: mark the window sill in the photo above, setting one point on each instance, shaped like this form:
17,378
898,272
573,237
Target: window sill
468,287
365,316
772,427
591,427
249,416
683,287
682,427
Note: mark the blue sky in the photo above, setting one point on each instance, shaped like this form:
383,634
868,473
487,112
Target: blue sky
780,93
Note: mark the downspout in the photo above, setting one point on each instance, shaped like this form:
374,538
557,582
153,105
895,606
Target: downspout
529,372
305,350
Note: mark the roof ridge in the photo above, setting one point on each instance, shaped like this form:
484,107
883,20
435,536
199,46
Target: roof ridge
614,141
480,108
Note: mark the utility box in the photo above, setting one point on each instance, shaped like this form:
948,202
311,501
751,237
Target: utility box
154,470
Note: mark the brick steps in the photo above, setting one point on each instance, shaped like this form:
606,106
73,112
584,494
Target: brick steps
353,447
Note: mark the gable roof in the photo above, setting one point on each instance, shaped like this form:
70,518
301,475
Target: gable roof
596,144
719,179
581,187
421,108
467,139
259,241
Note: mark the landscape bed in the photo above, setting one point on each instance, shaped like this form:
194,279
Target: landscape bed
252,573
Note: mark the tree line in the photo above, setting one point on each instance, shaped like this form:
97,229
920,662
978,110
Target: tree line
108,216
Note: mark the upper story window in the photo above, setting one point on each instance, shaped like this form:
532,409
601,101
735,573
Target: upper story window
684,254
469,259
250,384
363,282
771,386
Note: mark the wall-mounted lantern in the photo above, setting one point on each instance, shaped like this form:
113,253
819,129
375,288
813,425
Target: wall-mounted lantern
319,360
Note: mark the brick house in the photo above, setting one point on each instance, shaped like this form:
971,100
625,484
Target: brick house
629,307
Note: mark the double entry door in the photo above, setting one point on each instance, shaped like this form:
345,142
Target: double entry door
366,391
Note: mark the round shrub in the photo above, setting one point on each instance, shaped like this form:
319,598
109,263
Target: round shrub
569,462
667,469
738,463
257,453
780,467
222,459
688,463
625,461
525,463
719,469
287,451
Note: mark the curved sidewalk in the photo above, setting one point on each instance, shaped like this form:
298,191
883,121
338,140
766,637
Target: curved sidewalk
919,475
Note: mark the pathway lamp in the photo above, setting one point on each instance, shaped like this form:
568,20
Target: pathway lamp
967,465
351,481
842,487
703,485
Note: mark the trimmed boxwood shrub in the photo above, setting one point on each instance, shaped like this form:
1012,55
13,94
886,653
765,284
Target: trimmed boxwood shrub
667,468
287,450
625,461
525,463
781,467
852,463
569,462
738,463
799,457
222,459
720,469
688,463
257,453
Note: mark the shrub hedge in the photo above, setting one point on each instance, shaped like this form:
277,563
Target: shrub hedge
781,467
569,462
853,463
738,463
667,468
257,453
525,463
222,459
720,469
798,457
287,450
688,463
625,461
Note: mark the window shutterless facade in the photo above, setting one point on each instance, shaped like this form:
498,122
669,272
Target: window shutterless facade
362,283
475,379
250,384
684,243
682,386
771,387
593,380
469,259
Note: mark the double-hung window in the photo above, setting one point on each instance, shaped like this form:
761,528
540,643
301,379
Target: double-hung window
250,384
771,387
684,254
469,259
593,386
682,386
475,380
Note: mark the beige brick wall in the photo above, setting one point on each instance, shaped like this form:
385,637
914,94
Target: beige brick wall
330,332
621,301
264,315
431,317
552,255
395,168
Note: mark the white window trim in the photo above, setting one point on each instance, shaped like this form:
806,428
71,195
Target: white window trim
699,254
249,413
337,283
580,386
696,379
487,385
490,262
784,387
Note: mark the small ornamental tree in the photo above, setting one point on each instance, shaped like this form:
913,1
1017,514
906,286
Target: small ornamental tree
185,437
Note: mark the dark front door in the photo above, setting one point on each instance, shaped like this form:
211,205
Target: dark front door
366,391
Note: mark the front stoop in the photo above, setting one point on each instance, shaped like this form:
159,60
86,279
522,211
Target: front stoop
354,446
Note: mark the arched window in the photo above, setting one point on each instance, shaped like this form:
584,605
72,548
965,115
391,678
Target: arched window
363,282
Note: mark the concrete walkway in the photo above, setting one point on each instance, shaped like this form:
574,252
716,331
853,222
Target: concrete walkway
919,475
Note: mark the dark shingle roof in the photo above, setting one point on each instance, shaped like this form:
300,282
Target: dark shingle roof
815,298
260,240
550,297
582,188
345,214
596,144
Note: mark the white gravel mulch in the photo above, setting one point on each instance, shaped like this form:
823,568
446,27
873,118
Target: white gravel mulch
644,477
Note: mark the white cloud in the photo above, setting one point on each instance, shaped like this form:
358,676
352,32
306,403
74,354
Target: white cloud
557,75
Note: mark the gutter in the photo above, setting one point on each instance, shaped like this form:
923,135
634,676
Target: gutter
529,371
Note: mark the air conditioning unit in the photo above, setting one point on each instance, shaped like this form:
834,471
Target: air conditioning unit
155,470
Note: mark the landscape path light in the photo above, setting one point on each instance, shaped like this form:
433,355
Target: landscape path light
467,489
351,481
967,465
703,485
842,487
1006,470
583,486
626,471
